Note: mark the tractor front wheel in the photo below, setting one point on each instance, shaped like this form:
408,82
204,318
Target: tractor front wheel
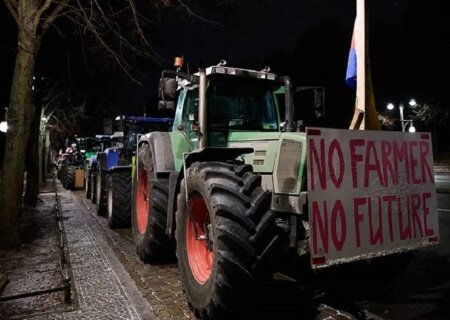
226,237
100,189
149,213
118,199
63,174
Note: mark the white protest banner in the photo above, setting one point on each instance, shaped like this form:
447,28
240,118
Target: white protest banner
370,193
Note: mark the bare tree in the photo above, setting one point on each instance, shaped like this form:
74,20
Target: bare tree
430,113
59,118
112,25
434,114
33,19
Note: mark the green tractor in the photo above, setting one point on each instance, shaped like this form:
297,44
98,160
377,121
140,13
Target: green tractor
205,185
228,188
93,145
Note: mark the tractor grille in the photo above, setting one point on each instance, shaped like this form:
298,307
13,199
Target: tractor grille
288,166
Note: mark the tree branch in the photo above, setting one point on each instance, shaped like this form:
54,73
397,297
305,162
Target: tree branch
39,12
12,8
192,13
54,14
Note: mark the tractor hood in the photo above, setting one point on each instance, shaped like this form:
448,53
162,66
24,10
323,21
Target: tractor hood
282,154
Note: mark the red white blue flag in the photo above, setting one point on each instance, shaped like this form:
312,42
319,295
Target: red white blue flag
350,77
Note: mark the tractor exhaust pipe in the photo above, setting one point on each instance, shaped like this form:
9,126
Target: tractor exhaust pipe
289,103
202,109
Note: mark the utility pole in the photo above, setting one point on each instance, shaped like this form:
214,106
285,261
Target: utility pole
365,116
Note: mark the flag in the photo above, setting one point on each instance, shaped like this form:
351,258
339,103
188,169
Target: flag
350,77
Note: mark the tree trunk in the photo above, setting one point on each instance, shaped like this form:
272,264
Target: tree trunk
33,161
20,115
47,154
42,154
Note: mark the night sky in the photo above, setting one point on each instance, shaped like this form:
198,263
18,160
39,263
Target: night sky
308,39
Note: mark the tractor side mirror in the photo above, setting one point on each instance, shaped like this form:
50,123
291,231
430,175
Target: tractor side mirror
167,94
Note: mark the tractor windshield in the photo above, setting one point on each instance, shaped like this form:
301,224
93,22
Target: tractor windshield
141,128
239,103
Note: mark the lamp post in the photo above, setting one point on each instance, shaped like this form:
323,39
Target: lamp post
404,123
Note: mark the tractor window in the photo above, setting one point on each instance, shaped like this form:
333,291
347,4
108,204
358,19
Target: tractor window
241,104
190,116
141,128
191,111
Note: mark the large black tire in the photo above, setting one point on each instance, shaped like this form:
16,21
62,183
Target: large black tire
226,237
149,210
100,188
87,184
63,174
100,185
69,181
93,182
119,199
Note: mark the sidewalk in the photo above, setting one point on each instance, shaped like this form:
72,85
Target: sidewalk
100,287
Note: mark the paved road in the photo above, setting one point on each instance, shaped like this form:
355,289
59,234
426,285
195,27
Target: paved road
442,181
422,291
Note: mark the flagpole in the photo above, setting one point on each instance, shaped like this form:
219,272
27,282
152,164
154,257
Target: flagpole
365,116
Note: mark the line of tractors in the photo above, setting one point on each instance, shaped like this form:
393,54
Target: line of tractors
221,185
102,165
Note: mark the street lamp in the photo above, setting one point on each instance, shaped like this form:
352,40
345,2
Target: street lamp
403,122
3,126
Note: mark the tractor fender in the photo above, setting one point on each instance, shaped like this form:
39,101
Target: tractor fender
164,165
161,148
203,155
215,154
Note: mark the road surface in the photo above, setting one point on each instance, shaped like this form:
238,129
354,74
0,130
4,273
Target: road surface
417,289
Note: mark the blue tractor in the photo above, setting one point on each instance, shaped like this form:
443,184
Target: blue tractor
113,168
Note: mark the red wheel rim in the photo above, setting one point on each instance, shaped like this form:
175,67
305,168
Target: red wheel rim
142,201
199,256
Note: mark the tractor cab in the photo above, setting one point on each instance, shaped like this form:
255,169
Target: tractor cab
234,100
130,127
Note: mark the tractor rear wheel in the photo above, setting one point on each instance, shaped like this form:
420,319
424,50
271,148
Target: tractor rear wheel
226,237
69,181
149,213
118,195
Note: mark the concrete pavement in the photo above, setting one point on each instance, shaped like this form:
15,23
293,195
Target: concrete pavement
101,288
